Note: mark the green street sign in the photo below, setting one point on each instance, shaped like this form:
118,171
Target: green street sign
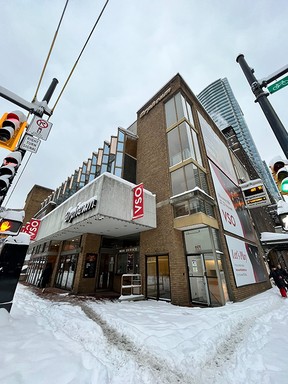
278,85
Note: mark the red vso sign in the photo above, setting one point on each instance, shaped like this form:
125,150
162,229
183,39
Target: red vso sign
32,228
138,202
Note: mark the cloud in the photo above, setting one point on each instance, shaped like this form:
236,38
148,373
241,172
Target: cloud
136,48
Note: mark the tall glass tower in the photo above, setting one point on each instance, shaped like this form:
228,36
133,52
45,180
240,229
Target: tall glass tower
219,101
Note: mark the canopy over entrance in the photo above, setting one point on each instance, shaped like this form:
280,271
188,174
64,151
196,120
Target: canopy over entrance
102,207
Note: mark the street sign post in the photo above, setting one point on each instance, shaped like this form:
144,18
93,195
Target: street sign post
278,85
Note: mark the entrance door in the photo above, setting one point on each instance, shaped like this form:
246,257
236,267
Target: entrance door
158,277
106,271
66,271
198,280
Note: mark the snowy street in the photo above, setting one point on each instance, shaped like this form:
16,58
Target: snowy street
65,339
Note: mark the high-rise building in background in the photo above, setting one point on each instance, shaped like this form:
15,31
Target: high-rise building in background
219,101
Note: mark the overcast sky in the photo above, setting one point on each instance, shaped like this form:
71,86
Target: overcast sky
137,47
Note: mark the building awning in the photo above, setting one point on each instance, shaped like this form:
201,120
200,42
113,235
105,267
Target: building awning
104,207
279,241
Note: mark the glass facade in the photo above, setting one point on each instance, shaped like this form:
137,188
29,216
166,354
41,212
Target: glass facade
119,157
186,167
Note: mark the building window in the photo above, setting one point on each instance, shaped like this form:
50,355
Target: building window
54,246
72,244
177,109
192,206
183,147
187,178
183,144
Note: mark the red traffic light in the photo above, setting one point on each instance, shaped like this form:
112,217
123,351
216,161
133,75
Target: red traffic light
11,127
8,170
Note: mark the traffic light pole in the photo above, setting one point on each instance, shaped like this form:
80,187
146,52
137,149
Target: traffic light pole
261,97
36,108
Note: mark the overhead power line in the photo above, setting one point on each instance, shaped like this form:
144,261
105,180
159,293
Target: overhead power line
68,78
50,51
76,62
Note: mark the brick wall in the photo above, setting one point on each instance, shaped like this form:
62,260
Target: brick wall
153,171
90,244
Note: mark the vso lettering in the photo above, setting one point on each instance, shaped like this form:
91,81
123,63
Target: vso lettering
229,218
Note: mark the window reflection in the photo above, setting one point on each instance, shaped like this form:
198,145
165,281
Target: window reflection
187,178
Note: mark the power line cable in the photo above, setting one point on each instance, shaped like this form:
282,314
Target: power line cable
50,51
68,78
36,92
76,62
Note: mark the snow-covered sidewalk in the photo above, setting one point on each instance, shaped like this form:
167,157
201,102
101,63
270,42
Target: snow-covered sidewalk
71,340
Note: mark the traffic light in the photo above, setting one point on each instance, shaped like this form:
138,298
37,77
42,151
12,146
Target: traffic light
12,126
279,168
8,170
282,212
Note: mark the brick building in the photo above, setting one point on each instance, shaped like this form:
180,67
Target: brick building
196,242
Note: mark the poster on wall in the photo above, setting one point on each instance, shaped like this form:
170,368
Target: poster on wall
234,215
217,151
247,265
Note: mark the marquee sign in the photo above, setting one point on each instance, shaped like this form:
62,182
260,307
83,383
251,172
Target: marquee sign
80,209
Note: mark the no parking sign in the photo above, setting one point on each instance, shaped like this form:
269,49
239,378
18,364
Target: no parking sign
39,128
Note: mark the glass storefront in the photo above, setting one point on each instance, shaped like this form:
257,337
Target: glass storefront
68,263
35,269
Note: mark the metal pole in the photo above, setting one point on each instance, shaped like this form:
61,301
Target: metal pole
50,90
261,97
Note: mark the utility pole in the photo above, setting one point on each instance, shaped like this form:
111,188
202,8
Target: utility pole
261,97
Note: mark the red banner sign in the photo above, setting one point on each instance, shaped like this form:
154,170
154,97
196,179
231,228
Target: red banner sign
32,228
138,202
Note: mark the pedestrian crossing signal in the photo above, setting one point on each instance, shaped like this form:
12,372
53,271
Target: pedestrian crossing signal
10,227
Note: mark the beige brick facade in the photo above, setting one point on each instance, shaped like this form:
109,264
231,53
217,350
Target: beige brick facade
167,239
153,171
33,201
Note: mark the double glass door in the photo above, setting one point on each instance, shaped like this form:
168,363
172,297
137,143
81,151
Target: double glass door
158,277
66,271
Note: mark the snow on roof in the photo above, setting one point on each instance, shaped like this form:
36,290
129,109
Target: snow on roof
282,207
